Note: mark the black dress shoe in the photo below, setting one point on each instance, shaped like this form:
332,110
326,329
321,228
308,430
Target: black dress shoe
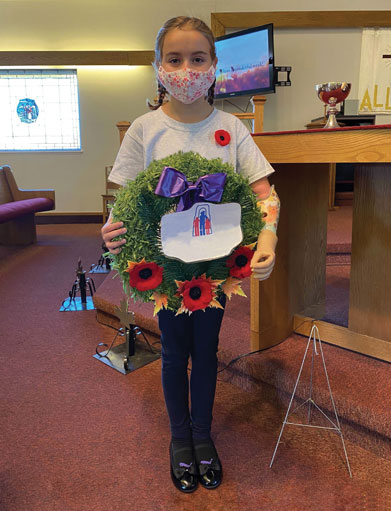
183,475
210,471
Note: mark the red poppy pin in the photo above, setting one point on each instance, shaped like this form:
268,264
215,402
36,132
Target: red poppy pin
222,137
239,262
197,294
144,276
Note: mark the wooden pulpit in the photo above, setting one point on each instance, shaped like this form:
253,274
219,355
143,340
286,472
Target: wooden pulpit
294,295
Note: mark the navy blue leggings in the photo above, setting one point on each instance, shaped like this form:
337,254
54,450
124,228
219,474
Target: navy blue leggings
196,336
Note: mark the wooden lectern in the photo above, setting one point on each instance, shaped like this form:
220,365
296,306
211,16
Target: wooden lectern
295,292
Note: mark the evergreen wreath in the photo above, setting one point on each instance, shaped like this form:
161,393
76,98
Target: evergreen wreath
147,274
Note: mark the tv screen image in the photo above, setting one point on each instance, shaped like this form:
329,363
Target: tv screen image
245,62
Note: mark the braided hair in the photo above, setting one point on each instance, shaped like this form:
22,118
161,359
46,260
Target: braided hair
211,93
162,93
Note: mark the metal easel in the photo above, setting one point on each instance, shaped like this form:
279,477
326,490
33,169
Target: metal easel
335,425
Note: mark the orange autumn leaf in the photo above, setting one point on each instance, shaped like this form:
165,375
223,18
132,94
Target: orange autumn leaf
182,309
132,264
216,304
232,287
161,301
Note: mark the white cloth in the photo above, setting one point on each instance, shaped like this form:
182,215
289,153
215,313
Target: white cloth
155,135
374,91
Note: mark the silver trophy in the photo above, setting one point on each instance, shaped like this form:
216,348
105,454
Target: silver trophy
332,93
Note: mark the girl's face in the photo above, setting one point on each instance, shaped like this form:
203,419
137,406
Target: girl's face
186,48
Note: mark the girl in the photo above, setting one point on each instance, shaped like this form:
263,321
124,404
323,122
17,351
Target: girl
185,63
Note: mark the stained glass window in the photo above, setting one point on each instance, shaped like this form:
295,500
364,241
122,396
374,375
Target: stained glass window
39,110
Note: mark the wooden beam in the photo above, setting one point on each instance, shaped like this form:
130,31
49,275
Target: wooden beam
76,58
301,19
345,338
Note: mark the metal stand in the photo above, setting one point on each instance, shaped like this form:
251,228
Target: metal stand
130,355
82,284
335,425
104,263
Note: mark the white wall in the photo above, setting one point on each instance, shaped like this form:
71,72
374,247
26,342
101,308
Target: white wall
109,95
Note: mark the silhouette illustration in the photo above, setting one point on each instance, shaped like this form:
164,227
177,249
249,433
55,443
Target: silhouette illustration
202,224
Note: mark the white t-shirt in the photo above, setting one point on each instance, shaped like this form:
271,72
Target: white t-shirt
155,135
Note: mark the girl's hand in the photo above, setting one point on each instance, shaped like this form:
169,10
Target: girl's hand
111,230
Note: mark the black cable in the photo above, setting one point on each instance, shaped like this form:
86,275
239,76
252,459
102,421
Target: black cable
105,324
262,349
247,355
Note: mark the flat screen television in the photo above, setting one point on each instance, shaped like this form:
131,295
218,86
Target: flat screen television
245,62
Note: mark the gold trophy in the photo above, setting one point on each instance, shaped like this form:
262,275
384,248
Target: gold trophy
332,93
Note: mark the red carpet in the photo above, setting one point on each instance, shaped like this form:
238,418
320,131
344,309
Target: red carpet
79,436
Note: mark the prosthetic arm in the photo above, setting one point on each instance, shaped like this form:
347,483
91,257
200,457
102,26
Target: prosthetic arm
264,257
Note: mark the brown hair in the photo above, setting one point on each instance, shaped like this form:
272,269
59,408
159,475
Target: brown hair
191,24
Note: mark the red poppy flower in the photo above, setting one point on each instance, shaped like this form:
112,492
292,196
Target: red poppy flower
239,262
144,276
198,293
222,137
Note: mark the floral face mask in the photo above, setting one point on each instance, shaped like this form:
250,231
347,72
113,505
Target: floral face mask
187,85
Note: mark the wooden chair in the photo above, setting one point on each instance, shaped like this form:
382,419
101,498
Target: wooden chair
109,195
256,116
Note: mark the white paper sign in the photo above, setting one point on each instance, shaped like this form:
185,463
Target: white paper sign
205,231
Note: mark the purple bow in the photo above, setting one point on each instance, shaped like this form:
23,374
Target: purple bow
172,183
